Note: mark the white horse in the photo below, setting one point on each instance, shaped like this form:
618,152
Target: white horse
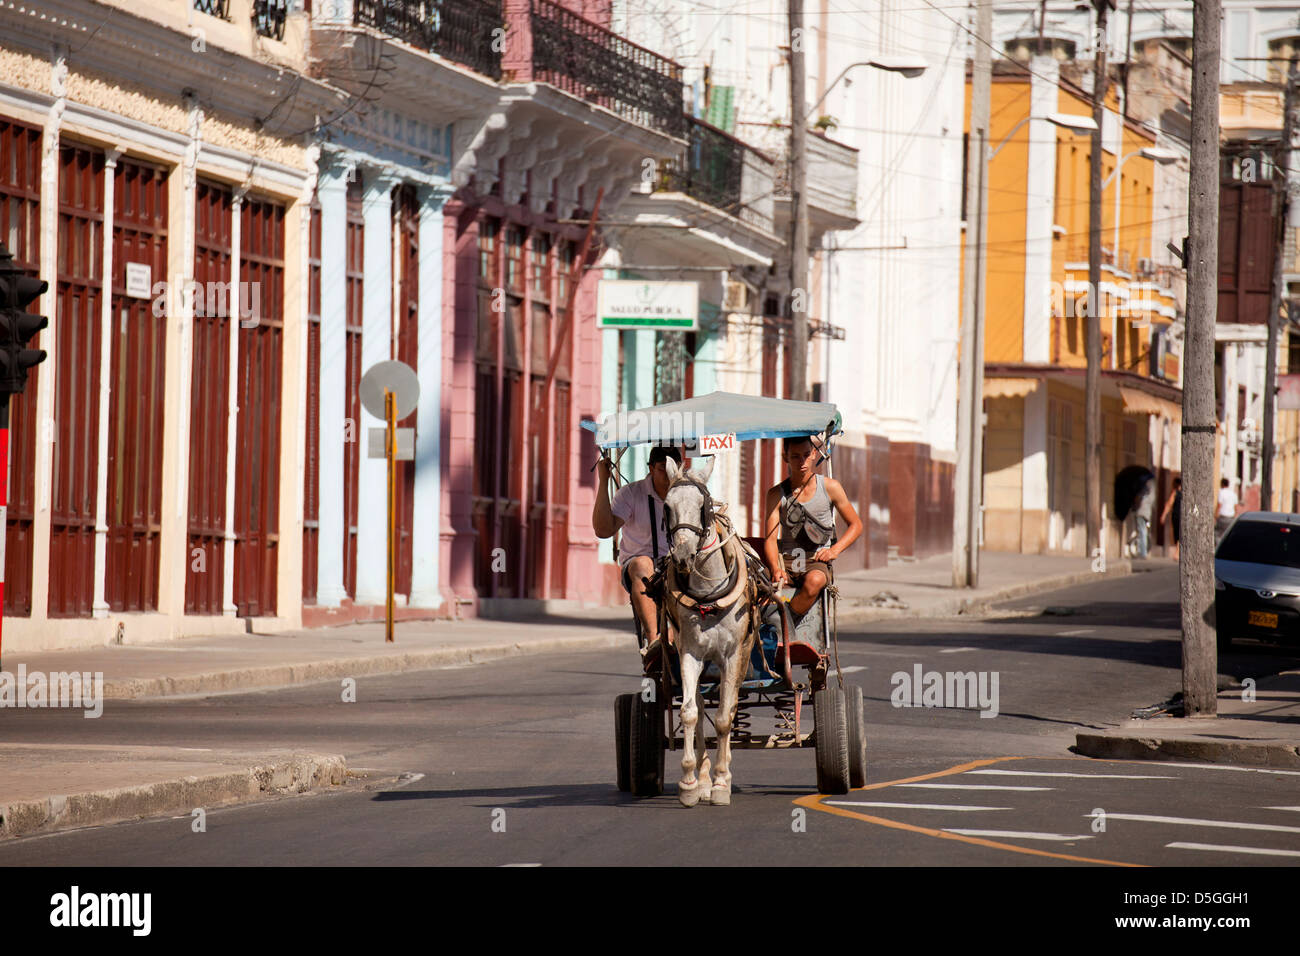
710,596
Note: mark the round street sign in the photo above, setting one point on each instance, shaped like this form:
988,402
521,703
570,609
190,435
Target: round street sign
396,377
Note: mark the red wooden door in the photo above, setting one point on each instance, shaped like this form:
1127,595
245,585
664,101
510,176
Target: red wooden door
209,401
257,438
136,402
20,230
408,345
311,469
356,258
76,381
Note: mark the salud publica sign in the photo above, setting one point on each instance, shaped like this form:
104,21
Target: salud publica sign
640,304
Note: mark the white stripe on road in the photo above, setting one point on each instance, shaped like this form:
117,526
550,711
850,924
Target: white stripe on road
852,670
966,786
1256,850
955,650
1020,835
1086,776
1077,632
1297,809
1221,766
909,806
1194,822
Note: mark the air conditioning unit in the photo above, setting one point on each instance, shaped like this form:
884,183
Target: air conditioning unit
1145,266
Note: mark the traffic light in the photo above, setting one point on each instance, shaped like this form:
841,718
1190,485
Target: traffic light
17,325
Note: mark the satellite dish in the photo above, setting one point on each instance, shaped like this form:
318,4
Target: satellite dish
396,377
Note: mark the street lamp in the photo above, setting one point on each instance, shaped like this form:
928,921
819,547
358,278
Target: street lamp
1070,121
909,66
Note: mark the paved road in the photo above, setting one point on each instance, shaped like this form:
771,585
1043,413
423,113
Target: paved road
512,763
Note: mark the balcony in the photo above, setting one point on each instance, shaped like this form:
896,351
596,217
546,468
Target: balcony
560,48
832,187
460,30
723,172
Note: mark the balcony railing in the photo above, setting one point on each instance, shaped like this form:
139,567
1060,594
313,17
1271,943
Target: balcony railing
585,59
269,16
460,30
215,8
712,169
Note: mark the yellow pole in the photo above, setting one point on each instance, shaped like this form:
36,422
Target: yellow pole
390,447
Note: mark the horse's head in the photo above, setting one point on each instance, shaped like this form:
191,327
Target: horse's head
690,509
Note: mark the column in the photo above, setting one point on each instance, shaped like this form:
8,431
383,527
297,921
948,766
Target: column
333,197
425,532
1040,187
1034,516
376,346
99,606
228,608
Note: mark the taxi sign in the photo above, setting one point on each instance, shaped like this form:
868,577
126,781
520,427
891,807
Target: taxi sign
712,444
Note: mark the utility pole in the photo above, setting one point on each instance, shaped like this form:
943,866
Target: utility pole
1196,569
1092,380
1291,102
798,172
970,404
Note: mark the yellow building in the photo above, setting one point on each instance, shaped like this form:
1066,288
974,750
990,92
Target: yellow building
1036,301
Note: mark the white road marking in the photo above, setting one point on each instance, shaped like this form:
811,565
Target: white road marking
1297,809
1218,848
955,650
520,864
1221,766
1086,776
1194,822
1077,632
966,786
1020,835
910,806
853,669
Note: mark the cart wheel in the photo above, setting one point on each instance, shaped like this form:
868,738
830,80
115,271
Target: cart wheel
623,739
857,739
646,747
832,735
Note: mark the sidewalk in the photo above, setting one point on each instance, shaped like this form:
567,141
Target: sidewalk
54,787
924,588
1264,732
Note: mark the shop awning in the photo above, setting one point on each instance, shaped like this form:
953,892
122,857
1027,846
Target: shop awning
1009,387
1137,402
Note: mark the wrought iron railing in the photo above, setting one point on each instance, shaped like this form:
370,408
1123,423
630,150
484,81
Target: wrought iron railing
585,59
712,169
269,16
215,8
460,30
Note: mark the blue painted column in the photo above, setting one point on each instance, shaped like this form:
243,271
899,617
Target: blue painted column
426,531
376,346
332,192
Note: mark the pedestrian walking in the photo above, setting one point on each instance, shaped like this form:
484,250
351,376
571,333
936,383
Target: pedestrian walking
1144,504
1227,509
1173,513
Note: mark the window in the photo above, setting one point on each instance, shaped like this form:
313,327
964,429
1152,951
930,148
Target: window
214,8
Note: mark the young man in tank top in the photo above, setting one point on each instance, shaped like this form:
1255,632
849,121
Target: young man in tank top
800,541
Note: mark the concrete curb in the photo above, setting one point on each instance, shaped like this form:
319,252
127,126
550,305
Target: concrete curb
295,774
958,606
1279,754
282,675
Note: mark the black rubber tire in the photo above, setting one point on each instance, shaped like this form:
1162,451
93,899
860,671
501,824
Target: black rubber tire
646,748
857,739
831,733
623,740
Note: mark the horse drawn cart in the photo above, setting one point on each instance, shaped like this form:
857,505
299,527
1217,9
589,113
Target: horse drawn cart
788,665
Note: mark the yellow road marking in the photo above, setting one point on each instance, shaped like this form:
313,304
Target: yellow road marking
814,801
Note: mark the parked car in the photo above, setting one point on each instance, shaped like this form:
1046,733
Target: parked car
1257,578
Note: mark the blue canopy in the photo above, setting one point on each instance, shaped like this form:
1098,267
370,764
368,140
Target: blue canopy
721,413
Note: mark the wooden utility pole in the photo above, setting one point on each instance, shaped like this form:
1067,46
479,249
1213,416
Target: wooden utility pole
970,378
798,172
1196,569
1092,380
1291,102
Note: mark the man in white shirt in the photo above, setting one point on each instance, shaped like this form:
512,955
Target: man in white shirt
638,511
1227,508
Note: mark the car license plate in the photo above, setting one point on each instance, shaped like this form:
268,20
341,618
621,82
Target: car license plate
1262,619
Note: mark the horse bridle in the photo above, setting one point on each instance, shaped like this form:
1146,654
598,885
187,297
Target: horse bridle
706,511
